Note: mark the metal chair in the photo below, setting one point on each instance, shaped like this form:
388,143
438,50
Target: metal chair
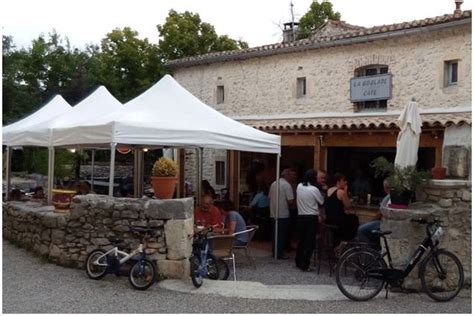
222,247
251,229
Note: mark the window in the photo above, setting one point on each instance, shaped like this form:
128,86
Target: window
220,94
300,87
220,173
372,70
451,73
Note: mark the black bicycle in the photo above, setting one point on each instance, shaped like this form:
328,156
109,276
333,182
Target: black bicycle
362,272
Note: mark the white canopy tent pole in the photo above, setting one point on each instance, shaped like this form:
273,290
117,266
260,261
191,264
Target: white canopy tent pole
112,168
92,170
199,176
51,153
8,173
277,203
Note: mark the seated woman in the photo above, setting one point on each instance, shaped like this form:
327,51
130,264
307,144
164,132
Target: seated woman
336,204
233,222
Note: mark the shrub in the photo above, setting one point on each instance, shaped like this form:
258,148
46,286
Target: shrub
164,167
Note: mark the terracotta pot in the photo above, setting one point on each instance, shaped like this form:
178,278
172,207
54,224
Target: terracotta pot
62,200
164,186
438,173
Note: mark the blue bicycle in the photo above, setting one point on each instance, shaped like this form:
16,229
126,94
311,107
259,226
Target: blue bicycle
203,262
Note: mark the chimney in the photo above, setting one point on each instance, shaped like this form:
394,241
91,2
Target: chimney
458,6
290,32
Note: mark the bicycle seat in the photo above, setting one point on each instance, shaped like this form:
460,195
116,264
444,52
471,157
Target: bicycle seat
115,240
381,233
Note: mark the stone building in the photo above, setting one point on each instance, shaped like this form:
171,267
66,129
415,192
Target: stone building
335,97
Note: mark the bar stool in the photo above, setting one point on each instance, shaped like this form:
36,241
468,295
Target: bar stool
324,249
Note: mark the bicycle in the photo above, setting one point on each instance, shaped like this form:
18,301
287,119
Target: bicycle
203,263
362,272
142,274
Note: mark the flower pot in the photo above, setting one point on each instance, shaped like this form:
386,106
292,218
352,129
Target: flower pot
400,199
164,186
62,200
438,173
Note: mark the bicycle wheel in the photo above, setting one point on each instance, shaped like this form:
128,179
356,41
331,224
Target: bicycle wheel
352,274
219,272
442,275
196,277
96,264
142,274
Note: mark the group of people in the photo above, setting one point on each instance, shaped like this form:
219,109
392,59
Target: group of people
319,199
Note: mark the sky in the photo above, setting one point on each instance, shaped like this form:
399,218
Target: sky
258,22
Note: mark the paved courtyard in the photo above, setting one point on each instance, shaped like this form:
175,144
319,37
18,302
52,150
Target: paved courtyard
32,285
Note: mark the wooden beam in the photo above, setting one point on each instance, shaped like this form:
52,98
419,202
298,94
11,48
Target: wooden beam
181,179
234,176
297,140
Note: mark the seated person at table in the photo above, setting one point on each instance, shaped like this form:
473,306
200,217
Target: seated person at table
233,223
207,214
365,231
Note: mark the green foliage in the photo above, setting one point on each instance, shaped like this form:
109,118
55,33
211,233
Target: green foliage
36,160
129,65
318,14
184,34
399,179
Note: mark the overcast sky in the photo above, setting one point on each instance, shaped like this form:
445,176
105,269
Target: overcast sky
254,21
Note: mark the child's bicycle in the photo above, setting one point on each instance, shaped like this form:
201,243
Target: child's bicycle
362,272
141,275
203,263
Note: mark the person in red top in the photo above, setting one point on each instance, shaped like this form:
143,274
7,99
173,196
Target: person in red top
207,214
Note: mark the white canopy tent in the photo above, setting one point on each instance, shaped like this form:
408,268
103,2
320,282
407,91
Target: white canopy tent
169,115
55,107
97,104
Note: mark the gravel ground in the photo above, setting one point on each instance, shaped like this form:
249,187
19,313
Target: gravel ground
31,285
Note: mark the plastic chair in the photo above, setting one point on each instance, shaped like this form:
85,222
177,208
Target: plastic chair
251,229
222,247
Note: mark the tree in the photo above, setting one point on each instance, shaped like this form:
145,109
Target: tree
184,34
129,65
318,14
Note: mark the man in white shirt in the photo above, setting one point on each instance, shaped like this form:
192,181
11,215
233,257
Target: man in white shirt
286,200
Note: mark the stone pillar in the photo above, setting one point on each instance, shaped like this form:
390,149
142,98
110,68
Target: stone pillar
450,200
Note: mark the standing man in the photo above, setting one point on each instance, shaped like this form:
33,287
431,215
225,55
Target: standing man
286,200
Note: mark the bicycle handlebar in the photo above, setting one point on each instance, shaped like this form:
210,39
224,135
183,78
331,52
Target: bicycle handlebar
425,221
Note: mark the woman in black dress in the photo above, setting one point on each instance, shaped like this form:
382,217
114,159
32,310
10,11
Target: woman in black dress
336,204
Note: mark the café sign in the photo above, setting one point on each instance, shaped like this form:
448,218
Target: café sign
371,88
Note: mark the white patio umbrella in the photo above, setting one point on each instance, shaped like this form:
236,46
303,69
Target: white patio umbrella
409,136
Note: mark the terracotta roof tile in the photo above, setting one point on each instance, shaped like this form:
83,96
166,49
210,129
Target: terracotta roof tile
355,32
345,123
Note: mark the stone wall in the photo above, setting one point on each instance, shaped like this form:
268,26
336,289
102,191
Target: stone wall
448,199
210,156
266,86
66,239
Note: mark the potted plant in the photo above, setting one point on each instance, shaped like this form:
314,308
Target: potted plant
402,181
164,178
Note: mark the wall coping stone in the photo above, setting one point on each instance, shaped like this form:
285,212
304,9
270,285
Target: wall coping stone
450,183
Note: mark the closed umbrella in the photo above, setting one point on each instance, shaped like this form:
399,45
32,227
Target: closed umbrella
409,136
